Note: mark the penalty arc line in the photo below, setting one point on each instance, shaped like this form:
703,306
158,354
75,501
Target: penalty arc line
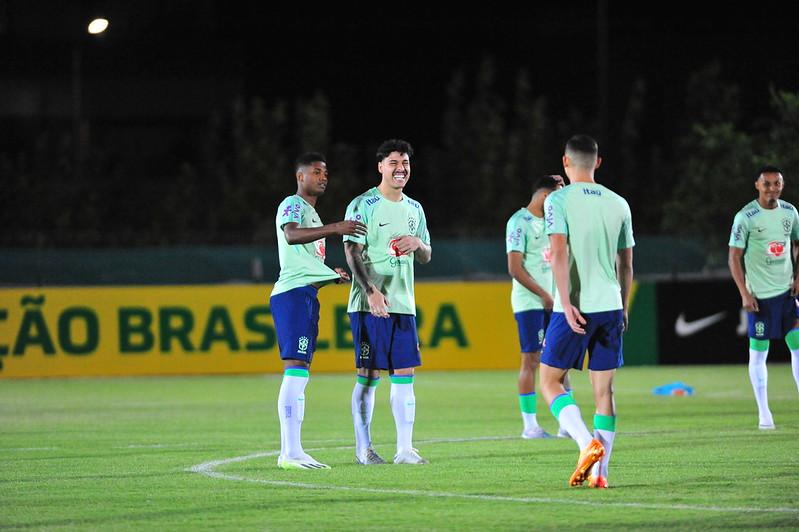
208,469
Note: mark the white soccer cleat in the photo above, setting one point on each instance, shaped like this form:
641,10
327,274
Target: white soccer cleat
409,456
369,457
767,426
563,433
303,462
536,433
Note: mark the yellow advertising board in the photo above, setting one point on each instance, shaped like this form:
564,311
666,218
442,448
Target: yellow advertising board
183,330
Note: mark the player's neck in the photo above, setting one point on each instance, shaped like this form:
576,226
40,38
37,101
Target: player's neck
764,204
311,200
391,194
582,177
536,208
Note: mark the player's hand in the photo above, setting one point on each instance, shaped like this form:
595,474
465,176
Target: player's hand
558,179
626,322
349,227
749,303
575,319
378,304
343,276
547,301
795,287
407,244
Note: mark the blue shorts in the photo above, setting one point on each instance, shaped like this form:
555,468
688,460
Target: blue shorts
532,325
775,318
385,343
296,317
566,349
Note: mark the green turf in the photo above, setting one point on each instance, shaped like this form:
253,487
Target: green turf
116,453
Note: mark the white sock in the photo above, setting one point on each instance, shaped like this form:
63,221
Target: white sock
758,375
571,420
795,365
530,421
606,438
363,406
291,410
403,406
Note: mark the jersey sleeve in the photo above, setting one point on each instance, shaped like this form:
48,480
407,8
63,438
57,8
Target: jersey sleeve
356,211
795,226
626,239
514,235
421,232
555,214
290,211
740,232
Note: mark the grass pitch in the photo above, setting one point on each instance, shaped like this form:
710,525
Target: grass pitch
200,453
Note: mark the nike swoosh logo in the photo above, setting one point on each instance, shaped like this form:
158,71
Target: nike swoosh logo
687,328
381,225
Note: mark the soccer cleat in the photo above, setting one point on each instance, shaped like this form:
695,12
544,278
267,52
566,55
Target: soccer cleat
535,433
563,433
767,426
597,481
409,456
588,457
304,462
369,457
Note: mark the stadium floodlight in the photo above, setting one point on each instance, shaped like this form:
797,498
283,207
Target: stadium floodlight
98,26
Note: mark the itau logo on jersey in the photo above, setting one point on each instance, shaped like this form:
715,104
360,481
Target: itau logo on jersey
775,248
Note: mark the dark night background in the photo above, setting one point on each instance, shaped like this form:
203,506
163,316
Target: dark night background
179,124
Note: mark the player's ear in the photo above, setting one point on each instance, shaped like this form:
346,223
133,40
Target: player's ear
300,176
566,161
598,162
380,167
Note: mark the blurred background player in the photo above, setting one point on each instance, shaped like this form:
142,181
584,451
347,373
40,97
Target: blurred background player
590,231
295,307
382,307
764,235
527,247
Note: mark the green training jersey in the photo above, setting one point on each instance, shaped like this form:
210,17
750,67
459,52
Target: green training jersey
525,233
390,272
300,264
597,224
766,236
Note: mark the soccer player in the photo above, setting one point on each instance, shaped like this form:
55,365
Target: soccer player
590,232
382,307
762,235
295,307
527,246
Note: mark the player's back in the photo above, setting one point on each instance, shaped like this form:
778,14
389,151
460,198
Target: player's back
598,224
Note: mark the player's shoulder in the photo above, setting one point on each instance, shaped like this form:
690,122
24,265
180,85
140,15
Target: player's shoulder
294,201
750,210
521,215
412,202
787,206
368,198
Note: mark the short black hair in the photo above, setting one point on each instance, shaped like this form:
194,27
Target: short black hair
583,144
767,169
307,159
547,182
392,145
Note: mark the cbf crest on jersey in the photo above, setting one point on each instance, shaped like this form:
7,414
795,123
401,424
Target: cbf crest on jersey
412,225
786,225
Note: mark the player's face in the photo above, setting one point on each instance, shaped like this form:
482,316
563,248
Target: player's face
769,187
395,169
313,178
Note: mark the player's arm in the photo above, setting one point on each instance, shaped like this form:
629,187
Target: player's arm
413,244
734,260
517,271
378,304
624,272
303,235
560,270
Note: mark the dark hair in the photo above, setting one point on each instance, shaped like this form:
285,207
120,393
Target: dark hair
767,169
583,144
546,182
308,158
392,145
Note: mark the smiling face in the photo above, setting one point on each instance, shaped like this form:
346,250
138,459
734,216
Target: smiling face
769,187
312,179
395,170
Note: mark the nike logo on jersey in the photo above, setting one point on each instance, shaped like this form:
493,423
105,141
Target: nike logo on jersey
761,229
381,225
688,328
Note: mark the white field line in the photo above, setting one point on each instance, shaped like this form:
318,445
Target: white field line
208,469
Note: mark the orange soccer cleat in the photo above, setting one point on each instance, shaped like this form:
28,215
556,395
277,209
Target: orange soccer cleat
588,457
597,481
